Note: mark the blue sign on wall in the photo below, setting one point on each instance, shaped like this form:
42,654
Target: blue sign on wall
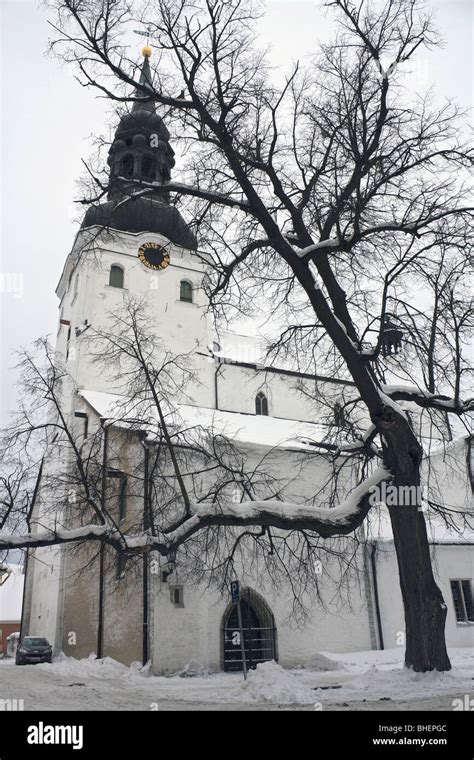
235,591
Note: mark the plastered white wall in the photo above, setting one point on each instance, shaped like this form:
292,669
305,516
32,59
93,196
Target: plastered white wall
449,562
194,632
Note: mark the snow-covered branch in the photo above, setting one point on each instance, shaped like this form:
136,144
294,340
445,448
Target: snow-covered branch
184,189
324,521
428,400
408,228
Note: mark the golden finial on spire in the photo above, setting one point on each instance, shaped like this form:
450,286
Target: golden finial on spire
147,51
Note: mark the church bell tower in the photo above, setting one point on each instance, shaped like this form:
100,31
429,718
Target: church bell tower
136,245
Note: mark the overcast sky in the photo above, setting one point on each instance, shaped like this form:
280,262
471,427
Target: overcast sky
47,119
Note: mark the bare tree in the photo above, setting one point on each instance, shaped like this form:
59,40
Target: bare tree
199,500
338,199
193,489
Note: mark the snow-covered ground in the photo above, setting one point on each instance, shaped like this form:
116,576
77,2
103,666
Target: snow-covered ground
353,681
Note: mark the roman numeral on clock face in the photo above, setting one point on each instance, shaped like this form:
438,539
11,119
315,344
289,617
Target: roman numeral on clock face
154,256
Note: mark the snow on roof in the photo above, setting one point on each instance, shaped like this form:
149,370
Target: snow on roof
380,529
254,429
241,428
11,595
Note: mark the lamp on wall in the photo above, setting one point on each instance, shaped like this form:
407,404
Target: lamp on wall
168,567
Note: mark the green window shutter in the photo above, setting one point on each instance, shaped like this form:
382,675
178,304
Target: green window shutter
116,277
186,291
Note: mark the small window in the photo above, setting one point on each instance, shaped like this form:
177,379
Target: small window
186,291
76,286
462,598
177,596
83,416
68,340
116,276
123,499
261,404
128,164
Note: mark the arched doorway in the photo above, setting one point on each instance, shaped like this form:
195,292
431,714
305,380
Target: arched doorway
259,633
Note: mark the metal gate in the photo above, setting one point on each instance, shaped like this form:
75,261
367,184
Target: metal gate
259,633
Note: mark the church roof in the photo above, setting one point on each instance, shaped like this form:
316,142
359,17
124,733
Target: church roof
142,214
250,429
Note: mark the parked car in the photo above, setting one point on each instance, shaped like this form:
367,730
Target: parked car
33,649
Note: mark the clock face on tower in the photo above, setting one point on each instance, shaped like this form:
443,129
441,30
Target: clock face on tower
154,256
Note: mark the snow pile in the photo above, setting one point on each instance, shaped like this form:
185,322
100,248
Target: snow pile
137,669
70,666
320,662
269,682
368,680
106,667
192,669
404,683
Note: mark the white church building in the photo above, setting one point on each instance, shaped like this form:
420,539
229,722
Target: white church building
142,247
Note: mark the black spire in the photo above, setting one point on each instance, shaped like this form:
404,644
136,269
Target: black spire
139,156
146,80
141,151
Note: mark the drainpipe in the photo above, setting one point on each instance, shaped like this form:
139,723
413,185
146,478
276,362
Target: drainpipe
146,525
100,623
373,564
23,599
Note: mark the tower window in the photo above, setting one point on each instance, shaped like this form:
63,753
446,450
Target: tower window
128,164
83,416
123,499
116,276
148,167
186,291
261,404
68,341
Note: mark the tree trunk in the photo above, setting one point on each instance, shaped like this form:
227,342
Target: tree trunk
425,610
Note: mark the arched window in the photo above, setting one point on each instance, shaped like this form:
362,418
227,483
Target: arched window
148,168
128,163
261,404
116,276
186,291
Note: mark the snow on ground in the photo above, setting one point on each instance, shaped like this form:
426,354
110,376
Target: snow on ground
357,680
269,682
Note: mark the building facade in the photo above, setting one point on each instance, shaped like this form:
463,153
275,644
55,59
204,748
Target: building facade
137,244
